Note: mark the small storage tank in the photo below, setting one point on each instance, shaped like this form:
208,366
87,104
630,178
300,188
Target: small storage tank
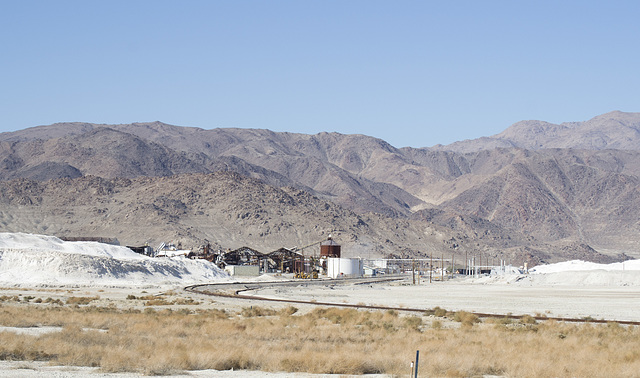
338,267
243,270
329,248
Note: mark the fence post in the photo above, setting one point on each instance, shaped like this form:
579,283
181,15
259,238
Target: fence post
417,358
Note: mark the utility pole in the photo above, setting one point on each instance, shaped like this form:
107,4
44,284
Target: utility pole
413,271
466,264
430,267
453,263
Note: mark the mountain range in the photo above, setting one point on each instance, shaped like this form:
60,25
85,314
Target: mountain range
537,191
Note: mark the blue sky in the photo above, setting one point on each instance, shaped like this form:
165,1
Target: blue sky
414,73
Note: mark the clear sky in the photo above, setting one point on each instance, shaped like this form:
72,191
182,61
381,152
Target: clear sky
414,73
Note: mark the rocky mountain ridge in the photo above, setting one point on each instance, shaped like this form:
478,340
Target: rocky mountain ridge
230,211
610,131
542,201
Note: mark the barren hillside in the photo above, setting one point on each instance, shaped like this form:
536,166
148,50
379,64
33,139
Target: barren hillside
614,130
528,198
226,209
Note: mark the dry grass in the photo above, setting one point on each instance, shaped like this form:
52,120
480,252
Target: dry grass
161,300
324,340
81,300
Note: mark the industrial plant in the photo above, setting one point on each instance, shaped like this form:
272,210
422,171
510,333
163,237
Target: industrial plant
323,259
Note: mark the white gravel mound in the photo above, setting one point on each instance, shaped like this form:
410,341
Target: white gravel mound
579,265
27,259
584,273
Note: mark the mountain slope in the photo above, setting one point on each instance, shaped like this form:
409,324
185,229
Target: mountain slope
615,130
157,149
224,208
530,199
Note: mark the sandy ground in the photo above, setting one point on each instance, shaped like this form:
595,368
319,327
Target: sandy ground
118,296
19,369
609,303
41,267
515,296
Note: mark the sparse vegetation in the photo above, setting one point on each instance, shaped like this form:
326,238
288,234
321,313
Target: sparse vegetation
151,300
81,300
528,319
323,340
440,312
56,301
466,318
158,302
253,311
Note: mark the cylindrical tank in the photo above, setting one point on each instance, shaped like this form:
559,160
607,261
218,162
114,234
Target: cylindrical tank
338,267
329,248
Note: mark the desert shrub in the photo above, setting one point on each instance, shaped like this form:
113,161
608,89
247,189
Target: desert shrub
528,319
184,311
412,322
500,321
145,297
250,312
217,314
81,300
466,318
158,302
56,301
337,315
186,301
439,312
288,311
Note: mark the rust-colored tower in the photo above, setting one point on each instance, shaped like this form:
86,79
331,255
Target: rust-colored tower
329,248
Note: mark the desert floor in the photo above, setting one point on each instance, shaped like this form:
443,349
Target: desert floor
514,295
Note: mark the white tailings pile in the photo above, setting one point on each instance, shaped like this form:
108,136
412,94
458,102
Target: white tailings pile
584,273
573,273
579,265
27,259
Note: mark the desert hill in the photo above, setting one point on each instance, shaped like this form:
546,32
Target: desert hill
562,193
614,131
157,149
223,208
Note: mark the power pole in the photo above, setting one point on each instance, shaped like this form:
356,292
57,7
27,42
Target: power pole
430,266
413,271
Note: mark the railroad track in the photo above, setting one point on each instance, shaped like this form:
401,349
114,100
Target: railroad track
235,290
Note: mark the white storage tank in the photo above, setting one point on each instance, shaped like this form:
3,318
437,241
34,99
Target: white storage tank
341,267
